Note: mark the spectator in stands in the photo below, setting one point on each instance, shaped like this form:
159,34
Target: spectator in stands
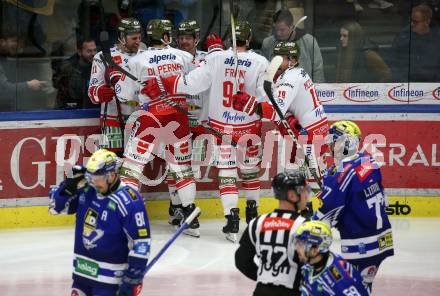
310,55
358,59
376,4
72,80
9,80
415,51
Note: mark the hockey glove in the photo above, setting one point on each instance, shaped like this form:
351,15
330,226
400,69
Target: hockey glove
77,181
214,42
129,290
105,94
131,282
113,74
293,123
152,89
244,102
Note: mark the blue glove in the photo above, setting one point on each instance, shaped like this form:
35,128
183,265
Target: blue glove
131,282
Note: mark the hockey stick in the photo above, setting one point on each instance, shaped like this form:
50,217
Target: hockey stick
105,58
299,22
270,73
211,24
168,101
104,115
184,226
234,43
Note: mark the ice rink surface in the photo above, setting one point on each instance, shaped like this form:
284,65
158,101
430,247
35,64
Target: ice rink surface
38,262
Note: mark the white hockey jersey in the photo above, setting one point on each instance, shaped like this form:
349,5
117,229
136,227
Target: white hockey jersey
217,74
294,92
97,78
152,63
198,103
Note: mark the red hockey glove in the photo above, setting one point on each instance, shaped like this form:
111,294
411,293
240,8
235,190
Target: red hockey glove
293,123
244,102
152,89
213,42
105,94
113,74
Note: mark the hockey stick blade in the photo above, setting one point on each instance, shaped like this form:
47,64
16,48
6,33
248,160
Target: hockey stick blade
300,21
273,68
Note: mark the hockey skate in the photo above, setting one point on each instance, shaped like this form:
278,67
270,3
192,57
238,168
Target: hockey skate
232,225
175,214
193,229
251,210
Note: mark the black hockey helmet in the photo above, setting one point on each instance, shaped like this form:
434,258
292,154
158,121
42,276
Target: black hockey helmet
284,182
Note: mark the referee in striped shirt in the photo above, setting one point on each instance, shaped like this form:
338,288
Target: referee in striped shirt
269,238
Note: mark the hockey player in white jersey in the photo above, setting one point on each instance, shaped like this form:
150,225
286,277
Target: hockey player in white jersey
163,129
223,75
188,37
103,79
295,95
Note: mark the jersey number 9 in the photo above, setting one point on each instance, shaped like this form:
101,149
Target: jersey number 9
228,92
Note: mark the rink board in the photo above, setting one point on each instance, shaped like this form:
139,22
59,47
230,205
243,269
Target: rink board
402,133
38,216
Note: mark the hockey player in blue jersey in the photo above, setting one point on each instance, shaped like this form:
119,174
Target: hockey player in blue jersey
324,273
353,201
112,235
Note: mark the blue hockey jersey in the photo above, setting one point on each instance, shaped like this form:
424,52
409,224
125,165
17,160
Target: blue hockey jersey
354,202
112,232
337,278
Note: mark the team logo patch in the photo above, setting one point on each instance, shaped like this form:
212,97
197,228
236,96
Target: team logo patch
90,221
141,248
87,267
111,205
142,147
385,241
132,194
276,223
184,148
117,59
368,273
143,232
335,273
